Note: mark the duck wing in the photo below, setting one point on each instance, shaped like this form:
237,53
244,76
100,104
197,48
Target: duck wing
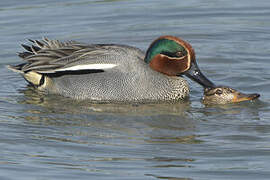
52,56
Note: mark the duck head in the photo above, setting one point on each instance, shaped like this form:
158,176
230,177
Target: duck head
175,57
225,95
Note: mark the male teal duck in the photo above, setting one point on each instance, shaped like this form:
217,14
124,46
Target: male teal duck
111,72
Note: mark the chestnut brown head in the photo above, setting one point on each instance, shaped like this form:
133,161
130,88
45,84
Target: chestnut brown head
175,57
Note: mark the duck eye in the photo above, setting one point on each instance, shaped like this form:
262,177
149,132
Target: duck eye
179,54
219,92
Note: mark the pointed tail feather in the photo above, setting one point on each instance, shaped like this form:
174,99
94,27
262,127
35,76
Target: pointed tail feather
17,68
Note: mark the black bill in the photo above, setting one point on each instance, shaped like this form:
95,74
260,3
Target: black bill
195,74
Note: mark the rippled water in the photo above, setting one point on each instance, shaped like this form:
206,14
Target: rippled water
51,137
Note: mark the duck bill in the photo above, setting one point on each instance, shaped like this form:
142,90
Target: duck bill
239,97
196,75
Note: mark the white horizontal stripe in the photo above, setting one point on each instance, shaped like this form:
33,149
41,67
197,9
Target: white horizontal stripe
88,67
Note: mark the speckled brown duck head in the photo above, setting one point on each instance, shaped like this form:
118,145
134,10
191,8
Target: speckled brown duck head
175,57
225,95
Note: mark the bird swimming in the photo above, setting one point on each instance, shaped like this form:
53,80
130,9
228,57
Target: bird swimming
112,72
225,95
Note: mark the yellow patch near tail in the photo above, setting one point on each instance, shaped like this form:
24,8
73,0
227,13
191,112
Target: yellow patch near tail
33,77
47,84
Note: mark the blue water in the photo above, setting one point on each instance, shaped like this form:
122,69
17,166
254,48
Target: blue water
51,137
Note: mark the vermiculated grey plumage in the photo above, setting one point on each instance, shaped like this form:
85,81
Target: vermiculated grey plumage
131,80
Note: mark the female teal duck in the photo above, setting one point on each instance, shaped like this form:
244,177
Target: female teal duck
225,95
110,72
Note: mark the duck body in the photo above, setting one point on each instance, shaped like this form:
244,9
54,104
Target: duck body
99,72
